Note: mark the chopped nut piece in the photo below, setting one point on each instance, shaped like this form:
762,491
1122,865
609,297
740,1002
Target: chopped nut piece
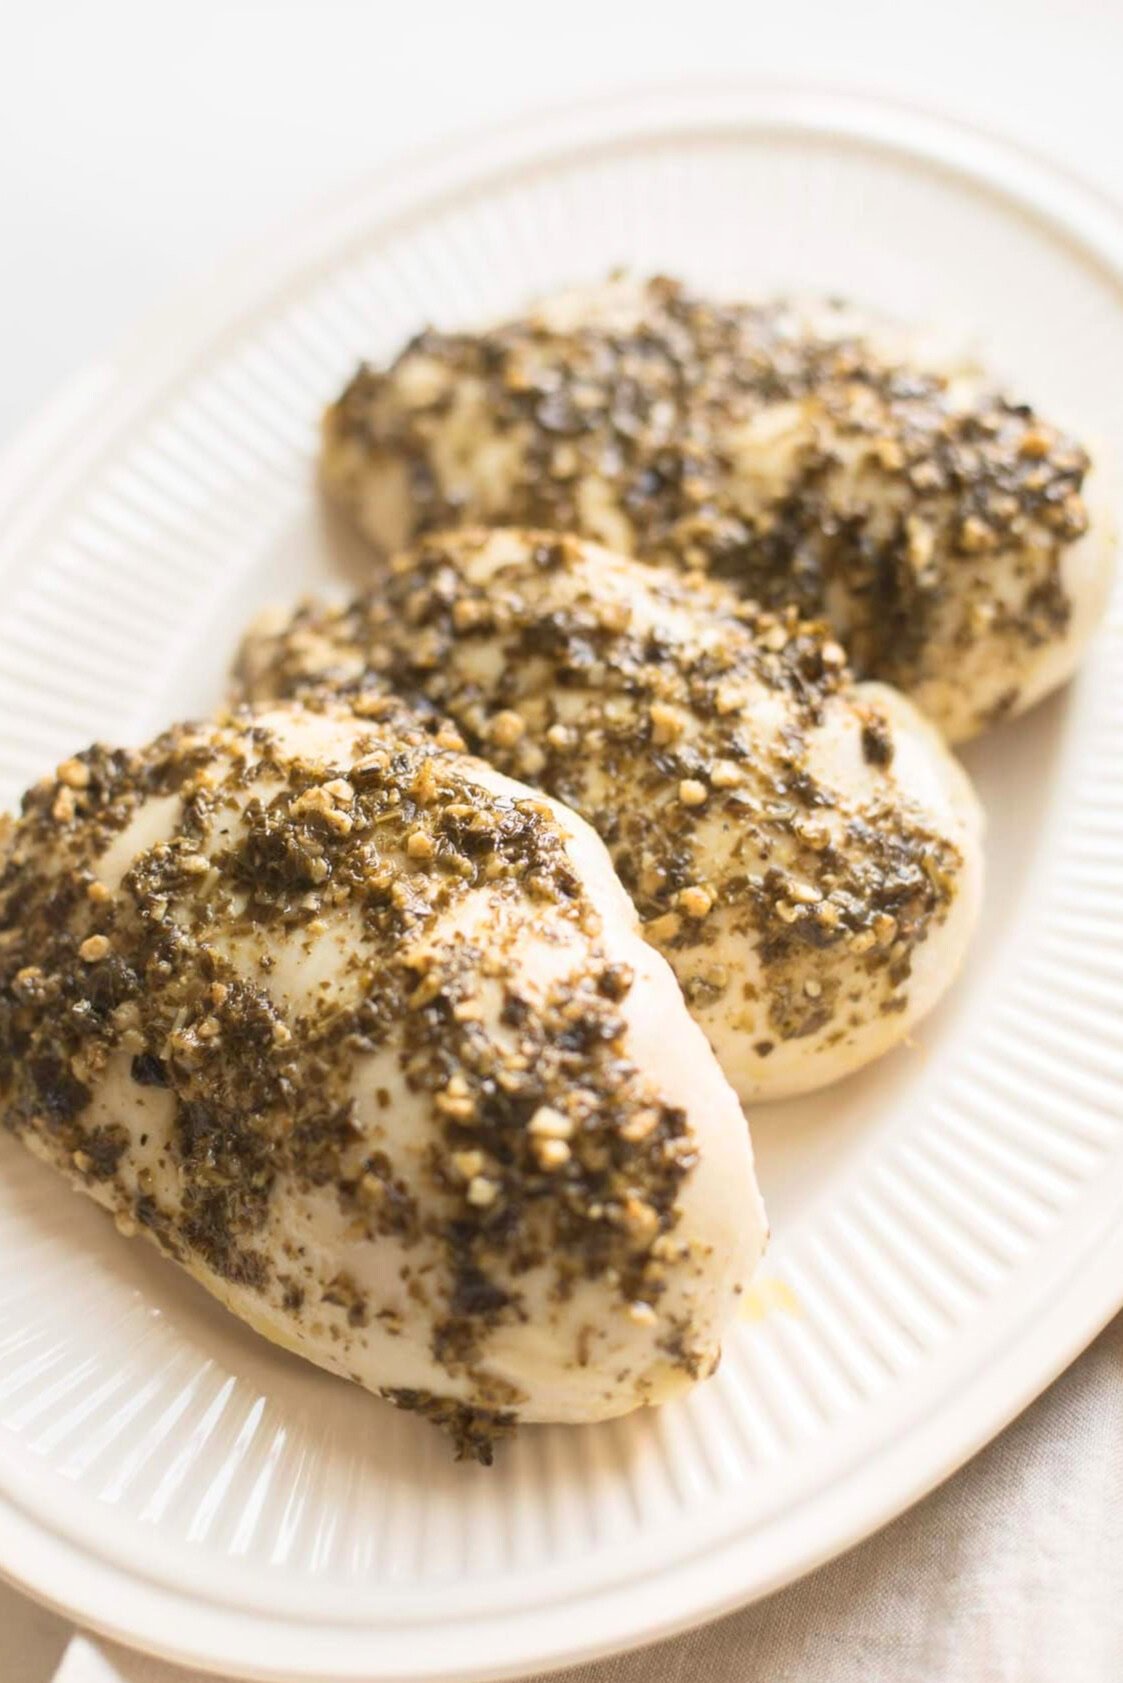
318,802
639,1218
551,1154
667,723
93,949
506,728
460,1108
695,902
889,453
482,1192
975,535
663,928
639,1126
379,759
313,800
815,836
1035,441
74,774
540,808
691,792
550,1123
468,615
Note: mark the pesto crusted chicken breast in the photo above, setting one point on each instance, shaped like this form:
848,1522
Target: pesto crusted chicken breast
952,538
362,1033
803,849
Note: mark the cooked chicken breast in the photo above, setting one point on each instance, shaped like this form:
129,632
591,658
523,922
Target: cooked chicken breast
956,542
363,1035
803,849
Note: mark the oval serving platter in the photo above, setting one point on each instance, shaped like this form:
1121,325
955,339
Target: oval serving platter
948,1226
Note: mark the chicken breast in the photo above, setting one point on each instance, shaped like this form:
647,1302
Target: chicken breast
363,1035
956,542
803,849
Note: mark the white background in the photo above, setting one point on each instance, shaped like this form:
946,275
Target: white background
141,142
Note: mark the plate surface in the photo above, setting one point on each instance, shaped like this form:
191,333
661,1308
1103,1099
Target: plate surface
949,1225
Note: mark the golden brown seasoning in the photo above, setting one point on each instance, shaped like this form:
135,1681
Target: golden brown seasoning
790,454
649,724
551,1150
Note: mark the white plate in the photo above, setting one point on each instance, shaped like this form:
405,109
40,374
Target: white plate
949,1227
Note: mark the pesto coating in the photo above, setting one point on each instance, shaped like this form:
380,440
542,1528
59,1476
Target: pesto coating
362,1034
943,528
802,848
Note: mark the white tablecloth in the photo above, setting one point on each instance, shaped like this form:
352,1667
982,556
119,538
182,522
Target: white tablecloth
1011,1573
139,143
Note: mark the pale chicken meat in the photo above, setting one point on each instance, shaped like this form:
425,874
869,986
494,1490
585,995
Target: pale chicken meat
803,848
362,1034
957,542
